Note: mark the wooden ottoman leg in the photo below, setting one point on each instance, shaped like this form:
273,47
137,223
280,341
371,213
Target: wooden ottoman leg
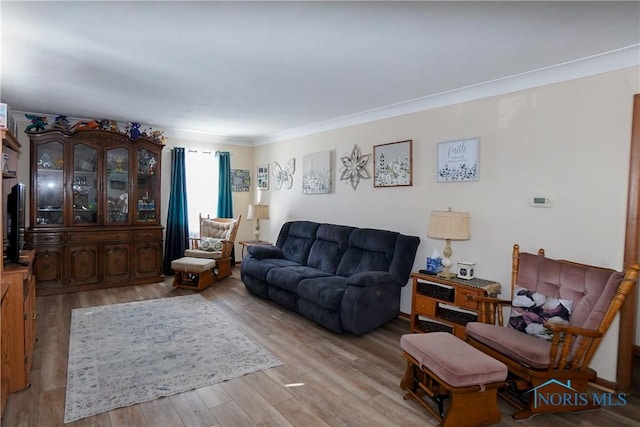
177,279
206,279
223,267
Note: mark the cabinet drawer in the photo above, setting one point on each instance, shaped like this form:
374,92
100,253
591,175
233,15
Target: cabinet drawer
47,238
148,234
461,298
100,236
425,305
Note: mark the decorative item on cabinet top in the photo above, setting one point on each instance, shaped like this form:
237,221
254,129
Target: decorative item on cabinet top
133,130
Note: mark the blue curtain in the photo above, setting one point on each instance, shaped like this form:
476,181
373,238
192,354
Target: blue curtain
177,235
225,201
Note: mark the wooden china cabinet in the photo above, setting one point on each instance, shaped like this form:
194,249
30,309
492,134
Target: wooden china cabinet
94,210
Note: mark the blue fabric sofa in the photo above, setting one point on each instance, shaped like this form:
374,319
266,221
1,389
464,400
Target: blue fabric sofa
346,279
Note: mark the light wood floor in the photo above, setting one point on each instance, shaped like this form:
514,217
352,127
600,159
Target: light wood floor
348,381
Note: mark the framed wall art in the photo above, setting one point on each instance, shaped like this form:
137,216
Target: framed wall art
263,177
393,164
240,180
316,173
458,160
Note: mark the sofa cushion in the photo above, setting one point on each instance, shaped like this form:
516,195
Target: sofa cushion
259,268
372,278
295,240
265,251
325,291
288,278
524,348
330,244
369,250
531,310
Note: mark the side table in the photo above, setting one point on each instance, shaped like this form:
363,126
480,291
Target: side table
253,242
441,305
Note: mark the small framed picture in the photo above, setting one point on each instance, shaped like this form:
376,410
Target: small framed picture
240,180
458,160
263,177
393,164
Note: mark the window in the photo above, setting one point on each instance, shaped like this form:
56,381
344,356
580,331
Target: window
202,186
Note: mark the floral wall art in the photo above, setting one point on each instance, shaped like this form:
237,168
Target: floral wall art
354,167
393,164
316,173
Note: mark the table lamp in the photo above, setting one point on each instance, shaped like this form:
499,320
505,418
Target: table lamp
258,212
448,226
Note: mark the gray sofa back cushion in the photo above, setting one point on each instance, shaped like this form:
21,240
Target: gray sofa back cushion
295,240
331,243
369,250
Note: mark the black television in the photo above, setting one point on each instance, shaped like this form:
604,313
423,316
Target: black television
15,223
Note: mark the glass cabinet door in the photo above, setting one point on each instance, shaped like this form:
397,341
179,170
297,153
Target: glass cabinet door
117,185
146,186
49,196
85,184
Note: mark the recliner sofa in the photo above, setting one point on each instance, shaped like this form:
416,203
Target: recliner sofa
344,278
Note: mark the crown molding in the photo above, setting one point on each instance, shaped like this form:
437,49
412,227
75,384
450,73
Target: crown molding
597,64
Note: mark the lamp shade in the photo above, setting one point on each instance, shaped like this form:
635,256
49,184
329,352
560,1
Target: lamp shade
449,225
258,212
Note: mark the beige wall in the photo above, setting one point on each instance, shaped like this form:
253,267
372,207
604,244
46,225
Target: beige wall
568,141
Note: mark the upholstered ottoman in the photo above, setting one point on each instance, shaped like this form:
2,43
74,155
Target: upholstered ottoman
440,365
193,273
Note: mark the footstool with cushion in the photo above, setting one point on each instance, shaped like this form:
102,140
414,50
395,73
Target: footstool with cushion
193,273
439,366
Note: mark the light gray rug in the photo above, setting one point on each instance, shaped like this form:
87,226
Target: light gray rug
135,352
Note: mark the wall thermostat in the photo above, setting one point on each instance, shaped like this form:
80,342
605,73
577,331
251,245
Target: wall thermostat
540,202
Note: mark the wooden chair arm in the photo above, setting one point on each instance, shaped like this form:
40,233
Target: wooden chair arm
574,330
193,242
564,337
489,309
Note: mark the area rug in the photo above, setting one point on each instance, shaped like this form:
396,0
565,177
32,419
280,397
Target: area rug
135,352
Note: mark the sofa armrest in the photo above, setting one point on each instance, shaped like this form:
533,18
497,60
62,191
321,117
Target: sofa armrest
265,251
373,278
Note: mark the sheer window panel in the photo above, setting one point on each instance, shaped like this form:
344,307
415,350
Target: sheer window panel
202,186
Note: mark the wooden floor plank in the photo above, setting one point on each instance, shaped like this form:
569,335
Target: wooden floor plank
129,416
343,380
192,410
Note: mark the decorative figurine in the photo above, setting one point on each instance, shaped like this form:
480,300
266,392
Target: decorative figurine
85,124
158,135
114,126
105,124
133,129
61,122
38,123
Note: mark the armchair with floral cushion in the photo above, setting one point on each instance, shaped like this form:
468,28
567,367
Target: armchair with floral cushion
216,240
560,311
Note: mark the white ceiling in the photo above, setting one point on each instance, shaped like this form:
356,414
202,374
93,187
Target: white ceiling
259,71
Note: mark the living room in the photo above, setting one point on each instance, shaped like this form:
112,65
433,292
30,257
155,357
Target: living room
561,133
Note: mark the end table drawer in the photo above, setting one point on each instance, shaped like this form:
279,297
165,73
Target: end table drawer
462,301
425,306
